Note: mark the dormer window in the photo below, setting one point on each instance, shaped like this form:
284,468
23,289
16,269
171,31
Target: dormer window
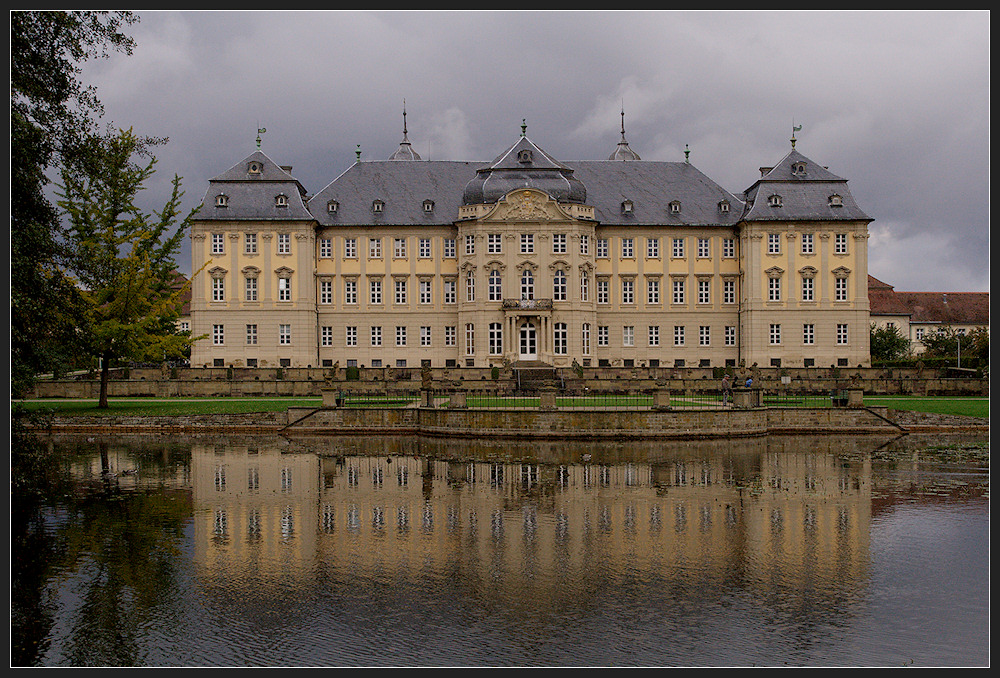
724,206
281,200
627,207
675,206
836,201
222,200
774,201
254,168
798,168
332,206
428,205
524,156
378,205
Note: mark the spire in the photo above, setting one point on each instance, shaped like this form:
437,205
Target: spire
623,152
405,150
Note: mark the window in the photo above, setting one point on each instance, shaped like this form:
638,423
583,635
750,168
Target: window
284,289
678,248
376,335
602,292
774,201
724,206
836,201
496,339
350,291
377,206
627,207
560,337
450,292
559,243
251,335
807,289
627,250
470,245
350,336
840,289
559,286
628,335
728,291
773,243
675,207
527,243
448,248
807,243
250,288
400,335
350,248
399,248
728,248
652,291
470,339
527,284
704,251
585,339
678,292
218,244
841,333
281,200
602,248
584,286
218,289
840,243
602,335
426,296
704,294
325,292
400,291
775,334
730,335
920,333
425,335
678,335
450,334
470,286
808,334
584,244
652,248
332,206
654,335
428,205
774,289
284,334
628,291
284,243
221,200
494,243
250,243
325,248
374,248
494,286
326,335
375,291
799,168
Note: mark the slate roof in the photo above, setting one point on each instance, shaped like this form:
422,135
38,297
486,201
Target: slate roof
949,308
805,196
247,199
510,171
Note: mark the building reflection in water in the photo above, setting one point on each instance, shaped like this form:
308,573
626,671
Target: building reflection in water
768,513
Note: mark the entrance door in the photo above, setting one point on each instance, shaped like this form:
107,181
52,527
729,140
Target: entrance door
529,350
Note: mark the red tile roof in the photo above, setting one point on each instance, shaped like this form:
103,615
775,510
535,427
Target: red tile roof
955,308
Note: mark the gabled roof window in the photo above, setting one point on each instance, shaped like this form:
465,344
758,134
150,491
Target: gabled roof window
774,200
222,200
836,201
524,155
332,206
798,168
723,206
675,206
378,205
254,167
281,200
627,206
428,205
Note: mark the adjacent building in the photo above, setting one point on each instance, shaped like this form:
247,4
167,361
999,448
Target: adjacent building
529,259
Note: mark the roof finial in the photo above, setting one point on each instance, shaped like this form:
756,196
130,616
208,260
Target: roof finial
524,126
358,153
404,118
260,130
687,153
623,120
795,128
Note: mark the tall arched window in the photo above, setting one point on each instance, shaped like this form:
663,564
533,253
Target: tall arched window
496,286
559,286
470,286
527,284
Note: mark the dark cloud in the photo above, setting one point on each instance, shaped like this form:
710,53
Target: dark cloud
896,102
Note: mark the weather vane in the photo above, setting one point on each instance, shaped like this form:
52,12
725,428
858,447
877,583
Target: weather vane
260,130
795,128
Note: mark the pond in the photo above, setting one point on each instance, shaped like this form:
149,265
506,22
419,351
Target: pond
409,551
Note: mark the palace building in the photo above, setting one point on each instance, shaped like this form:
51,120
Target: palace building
406,262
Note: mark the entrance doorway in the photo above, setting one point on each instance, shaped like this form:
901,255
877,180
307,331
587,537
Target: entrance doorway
528,343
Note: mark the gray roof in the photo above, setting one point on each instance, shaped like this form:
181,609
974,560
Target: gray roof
252,195
805,194
524,165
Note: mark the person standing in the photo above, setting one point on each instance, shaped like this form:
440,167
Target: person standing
727,390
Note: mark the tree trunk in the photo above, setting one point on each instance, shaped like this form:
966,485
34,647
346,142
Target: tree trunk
102,403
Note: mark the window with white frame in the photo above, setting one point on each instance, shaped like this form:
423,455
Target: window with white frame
284,243
602,248
628,335
559,285
218,243
774,334
251,335
350,291
494,288
448,248
375,292
326,335
399,248
627,248
325,248
376,334
350,335
496,339
704,292
774,243
374,248
426,296
840,243
807,243
678,335
425,335
585,338
678,248
470,339
450,291
284,288
494,243
704,251
678,291
603,333
470,245
728,248
808,288
584,244
250,243
603,295
527,284
558,243
652,248
284,334
584,286
774,288
704,335
729,335
652,291
654,335
350,248
470,286
325,292
841,333
218,289
399,287
728,291
527,243
840,289
218,335
628,291
400,335
808,334
560,339
424,248
450,335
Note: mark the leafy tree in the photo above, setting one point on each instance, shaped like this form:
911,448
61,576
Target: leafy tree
50,110
946,341
888,343
123,259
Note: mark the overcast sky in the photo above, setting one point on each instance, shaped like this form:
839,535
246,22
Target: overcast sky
895,102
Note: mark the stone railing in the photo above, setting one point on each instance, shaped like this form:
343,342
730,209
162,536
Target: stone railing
527,304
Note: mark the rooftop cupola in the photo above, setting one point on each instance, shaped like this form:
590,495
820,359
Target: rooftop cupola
623,152
405,150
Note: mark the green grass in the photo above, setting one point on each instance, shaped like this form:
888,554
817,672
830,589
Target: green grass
966,406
